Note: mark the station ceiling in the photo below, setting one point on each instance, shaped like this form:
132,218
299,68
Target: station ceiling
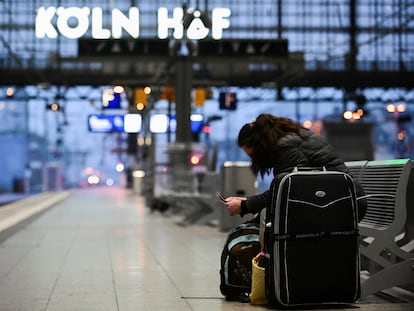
274,72
348,44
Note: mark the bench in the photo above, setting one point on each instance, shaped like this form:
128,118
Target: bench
191,196
382,249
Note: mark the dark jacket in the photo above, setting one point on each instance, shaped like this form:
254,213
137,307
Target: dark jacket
295,151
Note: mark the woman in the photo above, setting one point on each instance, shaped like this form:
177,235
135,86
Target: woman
279,144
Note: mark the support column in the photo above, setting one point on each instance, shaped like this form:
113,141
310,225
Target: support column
353,47
183,99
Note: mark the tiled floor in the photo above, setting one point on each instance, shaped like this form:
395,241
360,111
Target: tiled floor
102,249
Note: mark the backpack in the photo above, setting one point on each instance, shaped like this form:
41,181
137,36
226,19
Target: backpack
242,244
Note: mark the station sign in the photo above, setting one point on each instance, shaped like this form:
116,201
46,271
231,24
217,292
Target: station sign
77,22
104,123
162,123
211,48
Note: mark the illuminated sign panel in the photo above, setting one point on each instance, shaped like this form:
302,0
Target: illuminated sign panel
106,123
197,28
132,123
129,123
160,123
227,101
45,28
192,24
111,99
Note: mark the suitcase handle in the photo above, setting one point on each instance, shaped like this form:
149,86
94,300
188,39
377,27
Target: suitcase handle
309,169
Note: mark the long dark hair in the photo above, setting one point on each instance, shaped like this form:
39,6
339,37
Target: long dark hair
263,135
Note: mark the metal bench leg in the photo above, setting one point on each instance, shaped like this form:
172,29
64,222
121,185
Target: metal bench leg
398,274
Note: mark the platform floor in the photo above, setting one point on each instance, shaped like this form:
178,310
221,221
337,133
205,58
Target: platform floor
102,249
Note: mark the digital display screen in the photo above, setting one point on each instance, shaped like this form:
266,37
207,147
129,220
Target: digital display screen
111,99
132,123
227,101
196,123
159,123
129,123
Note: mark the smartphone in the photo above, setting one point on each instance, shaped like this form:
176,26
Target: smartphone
222,198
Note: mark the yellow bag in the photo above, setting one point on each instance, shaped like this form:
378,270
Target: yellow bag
258,293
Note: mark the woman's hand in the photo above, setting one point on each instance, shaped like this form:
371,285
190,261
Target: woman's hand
233,205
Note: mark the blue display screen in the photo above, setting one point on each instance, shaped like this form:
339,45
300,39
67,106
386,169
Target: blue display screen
106,123
158,123
111,100
130,123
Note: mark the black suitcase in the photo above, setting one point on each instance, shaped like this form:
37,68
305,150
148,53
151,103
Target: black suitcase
311,240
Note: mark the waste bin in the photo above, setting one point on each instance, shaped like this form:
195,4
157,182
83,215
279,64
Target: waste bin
236,180
19,185
137,178
52,177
